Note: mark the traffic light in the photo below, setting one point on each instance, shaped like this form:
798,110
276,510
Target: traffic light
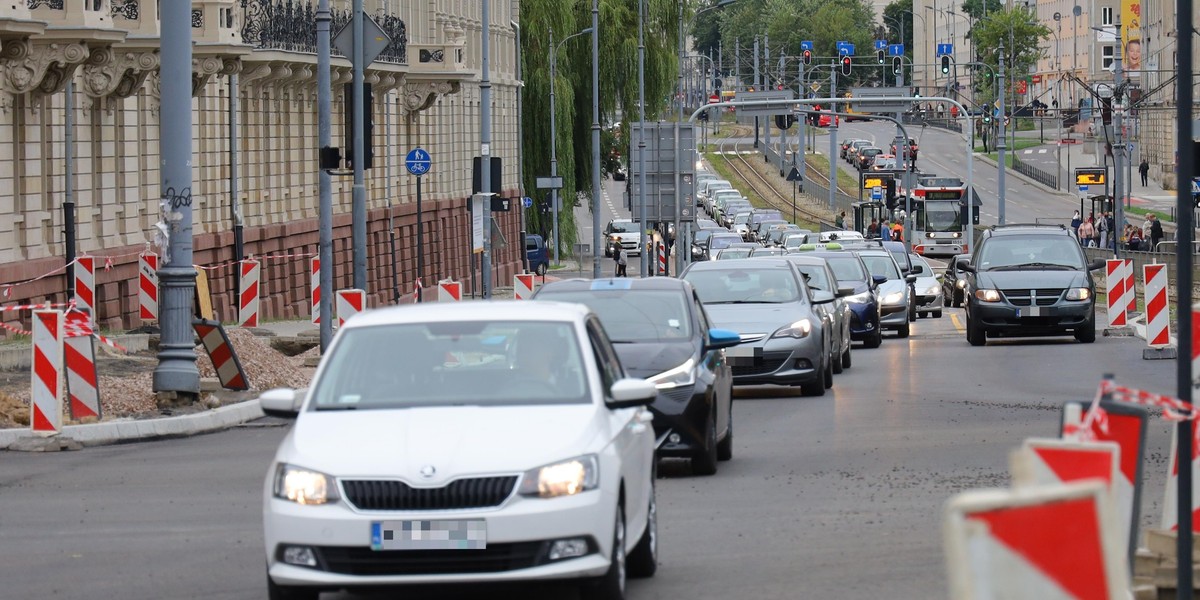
846,65
808,57
879,56
784,121
703,116
945,64
897,65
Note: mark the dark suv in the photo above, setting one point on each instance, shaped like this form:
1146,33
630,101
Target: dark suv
1029,280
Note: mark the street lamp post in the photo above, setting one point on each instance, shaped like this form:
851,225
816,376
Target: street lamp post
1000,147
596,241
643,254
554,132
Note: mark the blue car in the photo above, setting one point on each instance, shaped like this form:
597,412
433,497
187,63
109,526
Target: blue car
864,303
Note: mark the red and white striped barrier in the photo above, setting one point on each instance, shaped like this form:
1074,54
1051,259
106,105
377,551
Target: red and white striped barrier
1115,286
1195,345
417,289
314,284
662,258
45,407
248,299
449,291
523,286
85,284
221,353
1170,512
1053,542
148,286
350,303
1130,287
43,306
1048,461
1158,322
83,391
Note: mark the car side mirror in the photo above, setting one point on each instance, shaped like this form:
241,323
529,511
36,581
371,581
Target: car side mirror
964,264
722,338
822,297
878,279
281,402
631,392
910,278
917,270
1097,264
845,290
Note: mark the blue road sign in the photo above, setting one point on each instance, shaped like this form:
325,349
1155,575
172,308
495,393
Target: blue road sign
895,49
1083,188
806,46
881,44
418,162
811,95
844,48
876,194
943,49
527,202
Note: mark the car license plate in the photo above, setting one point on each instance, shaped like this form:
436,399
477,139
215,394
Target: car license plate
1032,311
429,535
743,355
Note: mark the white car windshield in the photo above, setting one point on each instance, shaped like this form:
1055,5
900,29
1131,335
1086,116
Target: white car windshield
480,363
634,315
846,268
623,227
816,276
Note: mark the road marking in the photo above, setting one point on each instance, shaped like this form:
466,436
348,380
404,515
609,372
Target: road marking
957,323
1042,151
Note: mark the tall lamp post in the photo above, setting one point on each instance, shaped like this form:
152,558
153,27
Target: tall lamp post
596,241
554,130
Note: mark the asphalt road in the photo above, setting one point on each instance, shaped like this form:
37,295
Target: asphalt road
833,497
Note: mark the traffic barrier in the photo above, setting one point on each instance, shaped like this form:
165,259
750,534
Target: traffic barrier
350,303
314,284
79,349
148,286
523,286
1045,461
1125,425
1115,290
224,359
1158,323
1130,288
1050,542
85,284
1170,509
662,258
45,406
250,270
449,291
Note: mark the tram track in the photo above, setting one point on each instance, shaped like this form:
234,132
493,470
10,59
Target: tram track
769,192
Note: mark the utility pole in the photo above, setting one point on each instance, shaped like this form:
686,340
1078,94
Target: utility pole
833,128
1118,147
757,87
1183,252
485,148
643,253
678,194
553,144
69,183
596,240
520,149
176,371
234,210
358,227
801,130
1000,147
324,179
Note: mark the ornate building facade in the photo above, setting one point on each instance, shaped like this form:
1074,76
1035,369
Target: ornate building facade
258,58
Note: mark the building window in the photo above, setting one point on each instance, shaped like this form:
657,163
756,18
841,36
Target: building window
1106,54
1106,15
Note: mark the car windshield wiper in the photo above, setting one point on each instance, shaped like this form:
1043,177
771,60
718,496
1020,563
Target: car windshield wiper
338,407
741,302
1034,265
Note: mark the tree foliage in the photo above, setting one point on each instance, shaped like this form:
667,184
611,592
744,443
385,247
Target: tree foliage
898,21
1020,35
978,9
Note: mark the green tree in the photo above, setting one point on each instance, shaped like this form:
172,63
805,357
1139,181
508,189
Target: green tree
978,9
1020,34
898,19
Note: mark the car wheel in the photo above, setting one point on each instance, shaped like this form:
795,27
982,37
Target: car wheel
541,270
283,592
921,315
725,447
912,311
975,333
836,362
903,331
875,339
704,462
815,388
937,314
643,561
947,301
828,374
846,357
611,585
1087,334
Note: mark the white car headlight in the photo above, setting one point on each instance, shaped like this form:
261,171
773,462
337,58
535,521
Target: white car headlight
988,295
303,486
566,478
1079,294
961,283
894,298
682,375
800,329
933,290
862,298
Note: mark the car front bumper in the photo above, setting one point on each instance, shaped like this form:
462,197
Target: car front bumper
519,534
779,361
864,321
1064,318
931,302
893,316
683,410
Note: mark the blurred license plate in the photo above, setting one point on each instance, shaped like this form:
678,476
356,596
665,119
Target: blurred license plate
429,535
1032,311
739,355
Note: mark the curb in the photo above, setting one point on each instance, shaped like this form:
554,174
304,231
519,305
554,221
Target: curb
97,434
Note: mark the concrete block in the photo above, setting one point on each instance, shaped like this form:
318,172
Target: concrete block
1160,353
1162,543
37,443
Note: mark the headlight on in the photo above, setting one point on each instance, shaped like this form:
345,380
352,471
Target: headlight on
933,291
799,329
1079,294
303,486
566,478
961,283
988,295
684,374
894,298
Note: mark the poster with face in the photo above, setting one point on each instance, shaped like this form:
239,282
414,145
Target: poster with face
1131,36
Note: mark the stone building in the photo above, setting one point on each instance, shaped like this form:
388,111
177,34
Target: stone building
426,94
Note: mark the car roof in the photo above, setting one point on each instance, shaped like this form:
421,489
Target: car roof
1027,228
806,258
606,284
766,262
493,310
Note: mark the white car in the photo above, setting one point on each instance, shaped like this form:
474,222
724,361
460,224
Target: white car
467,442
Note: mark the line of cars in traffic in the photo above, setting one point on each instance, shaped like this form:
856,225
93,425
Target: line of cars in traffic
864,155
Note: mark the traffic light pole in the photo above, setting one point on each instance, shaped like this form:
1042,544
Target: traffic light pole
801,131
833,129
1000,146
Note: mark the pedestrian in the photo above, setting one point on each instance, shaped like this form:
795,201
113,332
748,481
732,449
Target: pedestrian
897,232
953,111
1135,238
885,231
1086,232
840,221
873,229
1102,230
1075,223
984,134
1144,171
619,258
1156,231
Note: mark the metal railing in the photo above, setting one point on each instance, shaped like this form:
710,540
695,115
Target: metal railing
1034,173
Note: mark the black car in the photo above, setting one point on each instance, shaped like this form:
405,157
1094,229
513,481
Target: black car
864,301
1029,280
661,333
954,282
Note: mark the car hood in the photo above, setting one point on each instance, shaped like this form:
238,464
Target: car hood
1007,280
649,359
925,282
755,318
455,440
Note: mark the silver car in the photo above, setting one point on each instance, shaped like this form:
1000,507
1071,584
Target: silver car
929,299
768,304
824,285
893,293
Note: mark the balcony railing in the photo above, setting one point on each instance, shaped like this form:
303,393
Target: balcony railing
291,25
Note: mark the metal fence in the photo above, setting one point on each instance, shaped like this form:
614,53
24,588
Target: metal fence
1034,173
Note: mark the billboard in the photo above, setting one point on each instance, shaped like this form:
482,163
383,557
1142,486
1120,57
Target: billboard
1131,36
